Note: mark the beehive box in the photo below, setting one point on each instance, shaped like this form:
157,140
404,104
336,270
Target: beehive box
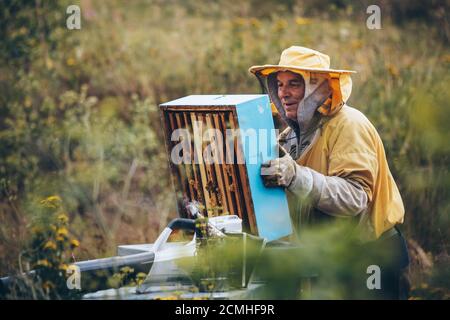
216,145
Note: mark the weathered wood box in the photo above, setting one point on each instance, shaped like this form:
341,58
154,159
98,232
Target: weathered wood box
216,145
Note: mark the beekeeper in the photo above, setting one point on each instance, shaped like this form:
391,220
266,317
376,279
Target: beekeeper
335,164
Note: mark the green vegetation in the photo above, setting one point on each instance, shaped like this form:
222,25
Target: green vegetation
79,116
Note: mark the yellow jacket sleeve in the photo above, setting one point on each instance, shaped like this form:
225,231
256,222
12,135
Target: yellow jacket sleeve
353,153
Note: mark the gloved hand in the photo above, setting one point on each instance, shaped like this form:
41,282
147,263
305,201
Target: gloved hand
285,172
279,172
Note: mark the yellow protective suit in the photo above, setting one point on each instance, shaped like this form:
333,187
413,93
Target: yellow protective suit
343,168
349,146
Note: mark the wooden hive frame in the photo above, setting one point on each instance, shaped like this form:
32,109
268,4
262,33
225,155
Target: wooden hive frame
221,188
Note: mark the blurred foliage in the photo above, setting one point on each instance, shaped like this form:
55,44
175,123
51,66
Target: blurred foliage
79,118
326,262
434,285
126,277
48,254
224,263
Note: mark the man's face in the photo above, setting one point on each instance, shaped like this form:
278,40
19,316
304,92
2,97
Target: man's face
291,90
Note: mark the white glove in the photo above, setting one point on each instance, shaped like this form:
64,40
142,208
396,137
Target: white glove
285,172
278,172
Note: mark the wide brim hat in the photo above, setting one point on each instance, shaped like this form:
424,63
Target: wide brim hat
300,60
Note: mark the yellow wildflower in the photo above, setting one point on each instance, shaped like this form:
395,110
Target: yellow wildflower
63,218
303,21
53,199
393,70
140,277
70,62
43,263
63,267
255,23
62,232
75,243
168,297
51,202
60,238
50,245
280,25
127,270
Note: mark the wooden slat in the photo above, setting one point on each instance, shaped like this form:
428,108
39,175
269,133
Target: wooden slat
178,167
232,172
198,150
231,202
217,143
209,168
243,177
227,168
174,171
230,197
196,174
165,122
187,167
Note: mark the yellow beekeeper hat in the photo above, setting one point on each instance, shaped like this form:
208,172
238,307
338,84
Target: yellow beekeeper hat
300,60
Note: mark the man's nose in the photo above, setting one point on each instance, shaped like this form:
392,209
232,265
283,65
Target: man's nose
285,93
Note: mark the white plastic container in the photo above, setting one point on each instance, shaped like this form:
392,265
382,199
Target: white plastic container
228,224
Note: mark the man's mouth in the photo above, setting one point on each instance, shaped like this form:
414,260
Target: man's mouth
290,105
